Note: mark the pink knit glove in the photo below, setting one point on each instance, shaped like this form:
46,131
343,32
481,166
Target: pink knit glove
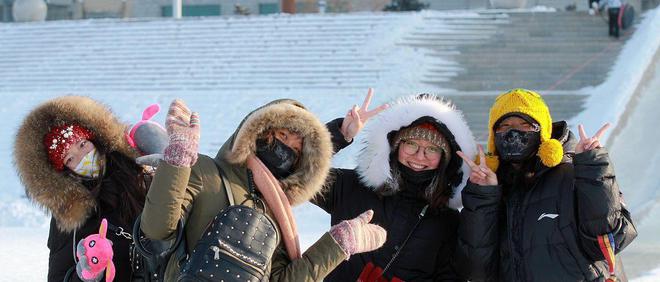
358,235
183,131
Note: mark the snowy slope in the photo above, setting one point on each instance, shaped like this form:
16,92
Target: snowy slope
632,144
637,161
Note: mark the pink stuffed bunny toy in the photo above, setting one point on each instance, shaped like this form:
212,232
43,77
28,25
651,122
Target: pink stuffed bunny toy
148,137
95,255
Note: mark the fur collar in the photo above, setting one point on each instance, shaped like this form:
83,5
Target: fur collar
69,202
374,159
313,168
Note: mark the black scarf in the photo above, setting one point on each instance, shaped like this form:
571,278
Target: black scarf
415,182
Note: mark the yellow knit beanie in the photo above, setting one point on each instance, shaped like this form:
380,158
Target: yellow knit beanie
529,103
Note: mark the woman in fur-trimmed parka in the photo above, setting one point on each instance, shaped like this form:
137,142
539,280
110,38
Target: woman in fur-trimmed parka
279,148
409,176
98,180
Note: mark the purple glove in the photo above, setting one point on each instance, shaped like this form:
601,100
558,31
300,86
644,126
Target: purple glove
358,235
183,133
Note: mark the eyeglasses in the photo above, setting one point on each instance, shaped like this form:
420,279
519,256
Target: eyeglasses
430,152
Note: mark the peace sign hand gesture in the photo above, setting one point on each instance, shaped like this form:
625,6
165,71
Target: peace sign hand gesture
481,174
357,117
588,144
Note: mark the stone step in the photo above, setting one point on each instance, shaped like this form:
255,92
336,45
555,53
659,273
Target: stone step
535,50
523,73
503,85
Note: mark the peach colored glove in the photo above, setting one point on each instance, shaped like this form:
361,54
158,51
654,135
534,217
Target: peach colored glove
358,235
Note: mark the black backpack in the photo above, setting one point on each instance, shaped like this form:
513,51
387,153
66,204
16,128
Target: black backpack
237,245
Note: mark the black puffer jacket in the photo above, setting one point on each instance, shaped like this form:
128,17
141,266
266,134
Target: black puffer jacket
61,243
428,254
378,184
547,232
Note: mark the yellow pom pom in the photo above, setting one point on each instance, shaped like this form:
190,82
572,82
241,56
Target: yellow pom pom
492,162
551,152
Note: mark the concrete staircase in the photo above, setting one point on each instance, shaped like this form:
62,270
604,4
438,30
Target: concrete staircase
562,51
554,53
190,55
469,56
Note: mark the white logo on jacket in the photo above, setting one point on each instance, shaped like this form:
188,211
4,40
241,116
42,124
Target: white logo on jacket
548,215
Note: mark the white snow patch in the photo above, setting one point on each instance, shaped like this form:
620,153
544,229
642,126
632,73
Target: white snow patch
651,276
24,256
637,165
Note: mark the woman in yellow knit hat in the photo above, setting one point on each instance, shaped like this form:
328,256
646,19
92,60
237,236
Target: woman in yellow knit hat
541,205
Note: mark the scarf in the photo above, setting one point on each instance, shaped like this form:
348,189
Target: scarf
271,190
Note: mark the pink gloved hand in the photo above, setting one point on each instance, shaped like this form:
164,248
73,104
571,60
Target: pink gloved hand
183,132
358,235
94,254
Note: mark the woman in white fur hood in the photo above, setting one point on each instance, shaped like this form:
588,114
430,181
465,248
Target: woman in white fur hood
408,173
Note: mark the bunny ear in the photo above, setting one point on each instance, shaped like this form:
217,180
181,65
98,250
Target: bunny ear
104,228
110,272
150,111
130,140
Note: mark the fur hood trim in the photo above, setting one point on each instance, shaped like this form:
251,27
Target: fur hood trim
374,159
69,202
312,170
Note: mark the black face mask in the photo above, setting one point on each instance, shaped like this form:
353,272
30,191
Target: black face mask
516,146
419,179
277,157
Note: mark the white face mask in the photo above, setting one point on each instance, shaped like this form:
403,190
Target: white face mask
90,165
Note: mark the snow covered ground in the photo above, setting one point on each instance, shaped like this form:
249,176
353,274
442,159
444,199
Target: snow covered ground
634,114
23,228
637,160
24,253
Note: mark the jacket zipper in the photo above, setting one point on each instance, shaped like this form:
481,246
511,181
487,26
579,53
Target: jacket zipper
236,261
524,202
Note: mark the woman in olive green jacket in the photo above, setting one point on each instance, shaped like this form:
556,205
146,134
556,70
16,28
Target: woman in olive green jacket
189,186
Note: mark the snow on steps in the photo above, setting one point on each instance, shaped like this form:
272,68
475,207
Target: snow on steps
302,52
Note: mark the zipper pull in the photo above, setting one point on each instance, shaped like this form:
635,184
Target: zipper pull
217,252
423,212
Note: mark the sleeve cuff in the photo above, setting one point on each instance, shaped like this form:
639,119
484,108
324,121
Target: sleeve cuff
338,140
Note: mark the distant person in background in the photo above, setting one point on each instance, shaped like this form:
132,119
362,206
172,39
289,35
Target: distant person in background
593,6
613,10
75,162
542,205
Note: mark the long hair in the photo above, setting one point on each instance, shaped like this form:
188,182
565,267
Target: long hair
121,189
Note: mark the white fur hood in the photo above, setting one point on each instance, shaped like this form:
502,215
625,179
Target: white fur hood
374,159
